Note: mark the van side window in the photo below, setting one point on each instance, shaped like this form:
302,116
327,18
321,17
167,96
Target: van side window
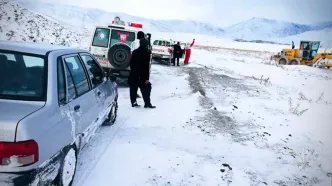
77,73
61,83
156,42
94,71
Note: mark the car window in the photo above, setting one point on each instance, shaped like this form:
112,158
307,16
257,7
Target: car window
78,75
22,76
168,44
61,83
162,43
101,37
156,42
94,71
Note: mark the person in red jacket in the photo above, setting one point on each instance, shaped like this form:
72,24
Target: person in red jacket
188,52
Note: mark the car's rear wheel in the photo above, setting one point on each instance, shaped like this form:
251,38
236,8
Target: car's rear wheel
68,168
112,114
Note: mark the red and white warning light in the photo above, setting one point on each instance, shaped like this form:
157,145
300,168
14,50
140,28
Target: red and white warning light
135,25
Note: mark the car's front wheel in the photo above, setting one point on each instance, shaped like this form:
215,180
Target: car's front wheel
112,114
68,168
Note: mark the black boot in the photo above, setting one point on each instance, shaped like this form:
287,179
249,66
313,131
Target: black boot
135,105
149,106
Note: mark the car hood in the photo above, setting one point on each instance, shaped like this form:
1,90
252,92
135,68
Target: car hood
11,112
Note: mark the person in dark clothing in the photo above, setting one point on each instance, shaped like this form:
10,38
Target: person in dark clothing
133,81
140,74
177,53
144,55
134,86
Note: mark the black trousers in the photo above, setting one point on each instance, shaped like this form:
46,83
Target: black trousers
145,90
146,93
133,93
177,60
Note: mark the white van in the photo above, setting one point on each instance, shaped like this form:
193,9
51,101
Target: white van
112,46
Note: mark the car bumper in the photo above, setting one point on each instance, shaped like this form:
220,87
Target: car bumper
17,179
40,176
158,56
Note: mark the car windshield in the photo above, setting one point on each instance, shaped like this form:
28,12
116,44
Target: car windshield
22,77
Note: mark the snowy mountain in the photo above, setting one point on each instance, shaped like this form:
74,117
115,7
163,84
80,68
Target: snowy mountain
252,29
32,20
324,35
322,26
24,25
260,28
87,17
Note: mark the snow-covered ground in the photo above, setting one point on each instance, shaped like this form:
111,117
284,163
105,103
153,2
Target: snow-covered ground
231,117
228,118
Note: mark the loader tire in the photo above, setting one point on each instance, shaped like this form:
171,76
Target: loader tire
283,61
295,62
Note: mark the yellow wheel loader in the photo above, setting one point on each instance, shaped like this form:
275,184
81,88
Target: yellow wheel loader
307,54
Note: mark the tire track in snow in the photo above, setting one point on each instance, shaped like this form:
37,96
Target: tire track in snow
95,149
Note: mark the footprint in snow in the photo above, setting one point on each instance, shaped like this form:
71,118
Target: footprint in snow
227,173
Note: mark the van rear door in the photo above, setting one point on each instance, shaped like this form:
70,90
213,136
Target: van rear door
100,44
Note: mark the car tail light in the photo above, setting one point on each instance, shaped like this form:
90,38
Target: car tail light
169,50
136,25
23,153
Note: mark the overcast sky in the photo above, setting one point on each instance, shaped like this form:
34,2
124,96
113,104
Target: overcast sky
220,12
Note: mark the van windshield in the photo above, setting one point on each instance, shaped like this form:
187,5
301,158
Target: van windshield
101,37
23,77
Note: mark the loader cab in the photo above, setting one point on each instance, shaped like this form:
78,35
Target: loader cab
309,49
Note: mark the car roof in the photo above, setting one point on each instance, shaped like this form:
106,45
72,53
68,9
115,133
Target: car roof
34,48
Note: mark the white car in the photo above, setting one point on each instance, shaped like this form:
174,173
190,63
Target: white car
112,46
162,50
52,100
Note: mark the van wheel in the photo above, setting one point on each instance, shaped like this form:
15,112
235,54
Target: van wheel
112,115
68,168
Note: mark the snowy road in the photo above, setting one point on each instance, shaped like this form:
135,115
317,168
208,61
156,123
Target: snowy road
219,121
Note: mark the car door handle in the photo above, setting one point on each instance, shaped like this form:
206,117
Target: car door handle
77,107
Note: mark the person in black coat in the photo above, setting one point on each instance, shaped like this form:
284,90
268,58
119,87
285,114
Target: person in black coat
133,81
177,53
140,74
140,35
